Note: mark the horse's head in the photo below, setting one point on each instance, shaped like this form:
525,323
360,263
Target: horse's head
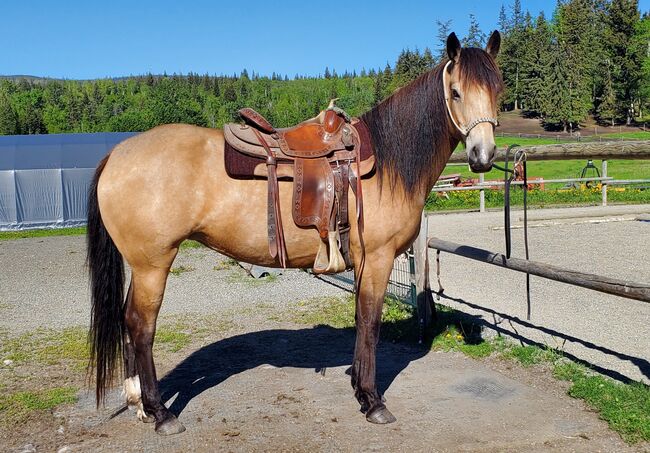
472,83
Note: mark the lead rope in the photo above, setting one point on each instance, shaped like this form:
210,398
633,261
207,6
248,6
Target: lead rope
520,157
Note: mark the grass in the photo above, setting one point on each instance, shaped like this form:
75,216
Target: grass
397,318
47,347
16,407
70,347
625,407
8,235
469,199
225,264
531,355
332,311
559,169
173,337
190,244
177,271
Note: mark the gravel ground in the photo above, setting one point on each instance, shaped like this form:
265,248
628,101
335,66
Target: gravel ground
43,284
261,385
607,331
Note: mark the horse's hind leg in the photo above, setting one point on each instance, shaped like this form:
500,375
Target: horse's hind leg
132,389
143,305
368,321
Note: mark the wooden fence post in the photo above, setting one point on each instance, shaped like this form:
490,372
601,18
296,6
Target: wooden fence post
604,182
425,304
481,180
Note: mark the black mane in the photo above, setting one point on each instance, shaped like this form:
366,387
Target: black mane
410,130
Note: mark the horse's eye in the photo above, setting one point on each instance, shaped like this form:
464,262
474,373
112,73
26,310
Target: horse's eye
455,93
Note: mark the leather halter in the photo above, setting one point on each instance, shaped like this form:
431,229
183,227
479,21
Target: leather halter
464,130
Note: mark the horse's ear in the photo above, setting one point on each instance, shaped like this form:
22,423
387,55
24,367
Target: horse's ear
453,47
494,43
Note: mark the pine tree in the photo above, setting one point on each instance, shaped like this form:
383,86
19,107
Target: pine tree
643,33
607,102
427,59
229,93
626,52
8,116
475,37
378,90
600,70
556,101
537,40
503,21
444,28
517,16
510,57
575,41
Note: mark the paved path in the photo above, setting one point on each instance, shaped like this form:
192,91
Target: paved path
610,332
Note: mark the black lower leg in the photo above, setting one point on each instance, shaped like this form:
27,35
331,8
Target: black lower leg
130,367
363,374
166,422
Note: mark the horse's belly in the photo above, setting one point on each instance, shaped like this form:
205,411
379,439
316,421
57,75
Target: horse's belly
237,225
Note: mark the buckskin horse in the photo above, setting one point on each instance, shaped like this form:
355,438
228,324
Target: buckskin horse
157,189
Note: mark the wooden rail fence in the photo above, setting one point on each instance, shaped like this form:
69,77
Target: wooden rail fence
623,288
639,149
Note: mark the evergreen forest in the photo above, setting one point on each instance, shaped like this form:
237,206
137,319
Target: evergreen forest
591,59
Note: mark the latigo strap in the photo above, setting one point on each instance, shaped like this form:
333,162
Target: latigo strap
276,232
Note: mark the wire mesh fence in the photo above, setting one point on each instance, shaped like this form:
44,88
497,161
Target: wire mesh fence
400,284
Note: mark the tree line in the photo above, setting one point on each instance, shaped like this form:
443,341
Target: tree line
592,57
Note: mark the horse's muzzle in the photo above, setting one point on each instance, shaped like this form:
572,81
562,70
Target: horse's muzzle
480,157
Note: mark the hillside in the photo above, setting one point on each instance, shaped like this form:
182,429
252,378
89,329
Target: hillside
514,122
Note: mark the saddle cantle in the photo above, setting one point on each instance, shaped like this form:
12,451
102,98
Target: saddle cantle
323,156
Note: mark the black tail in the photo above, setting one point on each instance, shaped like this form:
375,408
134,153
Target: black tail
106,269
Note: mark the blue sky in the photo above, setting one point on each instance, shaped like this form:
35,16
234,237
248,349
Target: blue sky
86,39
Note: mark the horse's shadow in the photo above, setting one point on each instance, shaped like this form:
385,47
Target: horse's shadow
318,348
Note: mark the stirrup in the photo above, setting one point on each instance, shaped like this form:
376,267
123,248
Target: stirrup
332,263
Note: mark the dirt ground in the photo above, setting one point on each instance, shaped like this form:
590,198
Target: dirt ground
258,381
284,388
514,123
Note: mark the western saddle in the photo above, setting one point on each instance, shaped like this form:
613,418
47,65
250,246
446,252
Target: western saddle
322,155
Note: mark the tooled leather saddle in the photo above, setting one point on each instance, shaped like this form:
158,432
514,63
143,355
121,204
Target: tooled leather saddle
323,156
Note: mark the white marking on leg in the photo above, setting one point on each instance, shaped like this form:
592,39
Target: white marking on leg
134,396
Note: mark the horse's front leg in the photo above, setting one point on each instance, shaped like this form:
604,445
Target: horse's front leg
143,305
368,321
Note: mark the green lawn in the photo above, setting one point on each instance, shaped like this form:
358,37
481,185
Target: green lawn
469,199
5,235
558,169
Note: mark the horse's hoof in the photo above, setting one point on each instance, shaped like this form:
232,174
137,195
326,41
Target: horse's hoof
380,415
169,426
